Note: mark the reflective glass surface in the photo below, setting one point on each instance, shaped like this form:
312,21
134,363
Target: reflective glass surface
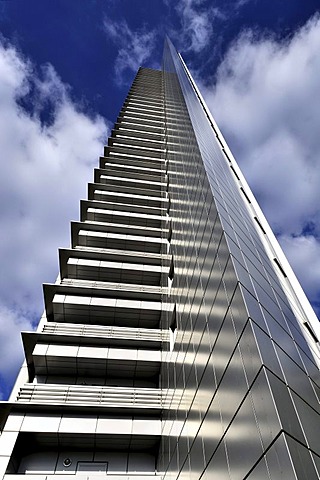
239,363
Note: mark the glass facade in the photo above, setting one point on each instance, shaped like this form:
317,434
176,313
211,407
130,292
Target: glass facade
175,343
246,373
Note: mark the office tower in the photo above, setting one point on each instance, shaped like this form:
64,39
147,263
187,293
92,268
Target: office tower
176,343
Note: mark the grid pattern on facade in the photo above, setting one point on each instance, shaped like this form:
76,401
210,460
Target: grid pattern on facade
250,382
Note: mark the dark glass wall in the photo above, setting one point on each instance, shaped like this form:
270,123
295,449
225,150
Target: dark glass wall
246,403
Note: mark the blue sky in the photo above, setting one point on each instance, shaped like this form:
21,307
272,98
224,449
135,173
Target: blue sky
65,69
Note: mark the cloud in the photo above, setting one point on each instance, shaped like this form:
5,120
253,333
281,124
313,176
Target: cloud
197,24
12,322
240,3
267,102
304,251
48,149
135,47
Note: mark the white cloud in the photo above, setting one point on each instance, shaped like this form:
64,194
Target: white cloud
197,24
135,47
12,322
267,103
302,252
44,171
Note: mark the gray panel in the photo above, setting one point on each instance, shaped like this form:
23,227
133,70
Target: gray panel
302,460
224,346
232,389
211,430
277,328
239,311
316,460
285,407
279,461
265,409
197,460
249,352
310,420
296,377
267,350
217,468
260,471
242,437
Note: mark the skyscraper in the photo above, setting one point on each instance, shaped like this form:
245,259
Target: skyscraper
176,342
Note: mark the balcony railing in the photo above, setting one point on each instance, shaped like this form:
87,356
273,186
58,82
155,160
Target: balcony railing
118,397
140,334
108,476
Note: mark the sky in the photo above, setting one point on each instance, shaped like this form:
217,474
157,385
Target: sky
65,69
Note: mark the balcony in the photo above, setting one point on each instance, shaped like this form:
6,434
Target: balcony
96,361
116,272
116,195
